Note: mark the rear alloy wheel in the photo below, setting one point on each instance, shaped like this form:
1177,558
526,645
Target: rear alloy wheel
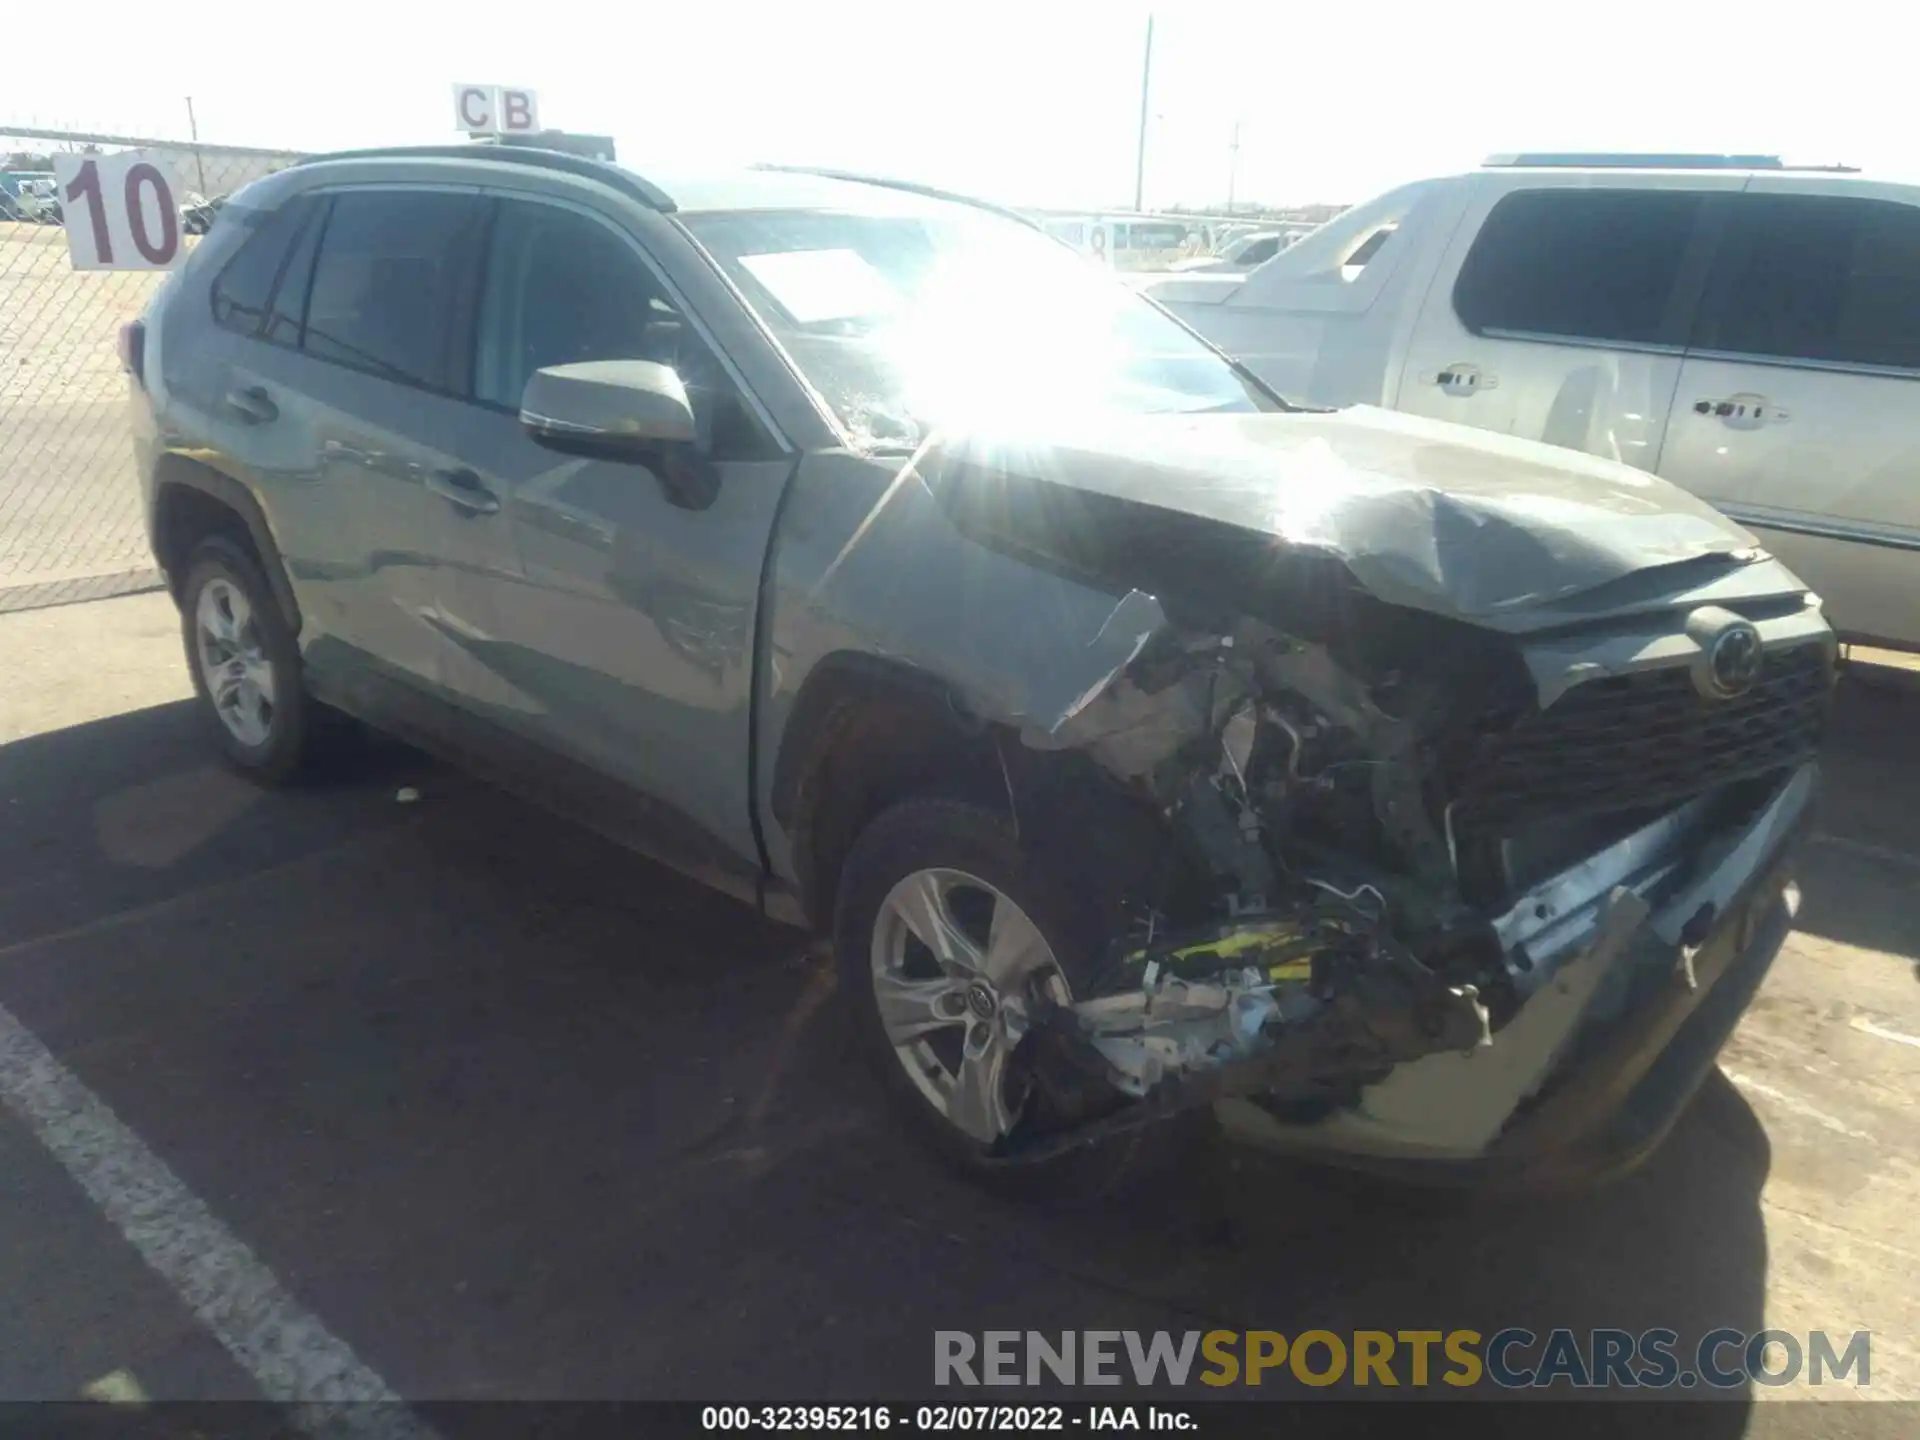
234,665
245,662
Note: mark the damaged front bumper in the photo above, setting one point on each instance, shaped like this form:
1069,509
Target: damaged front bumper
1629,971
1640,990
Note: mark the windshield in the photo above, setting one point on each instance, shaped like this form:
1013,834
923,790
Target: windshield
960,319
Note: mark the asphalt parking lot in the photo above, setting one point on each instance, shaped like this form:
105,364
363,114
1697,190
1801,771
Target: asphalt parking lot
513,1114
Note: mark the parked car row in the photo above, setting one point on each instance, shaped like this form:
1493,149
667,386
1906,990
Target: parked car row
1144,243
197,212
34,198
1242,253
31,198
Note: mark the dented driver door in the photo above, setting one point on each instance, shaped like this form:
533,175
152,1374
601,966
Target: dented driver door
624,642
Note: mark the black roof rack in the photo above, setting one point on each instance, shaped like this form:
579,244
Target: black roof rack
912,187
567,142
620,179
1547,159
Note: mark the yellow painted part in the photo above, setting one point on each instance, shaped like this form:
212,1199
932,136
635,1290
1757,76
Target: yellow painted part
1228,947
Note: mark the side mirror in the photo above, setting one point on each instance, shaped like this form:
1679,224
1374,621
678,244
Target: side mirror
627,410
611,409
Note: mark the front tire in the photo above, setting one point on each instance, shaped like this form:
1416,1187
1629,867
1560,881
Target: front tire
948,935
245,663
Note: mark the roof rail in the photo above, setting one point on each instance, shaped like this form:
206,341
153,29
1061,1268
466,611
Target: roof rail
1571,160
912,187
620,179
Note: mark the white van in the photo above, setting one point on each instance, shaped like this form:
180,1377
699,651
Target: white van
1744,329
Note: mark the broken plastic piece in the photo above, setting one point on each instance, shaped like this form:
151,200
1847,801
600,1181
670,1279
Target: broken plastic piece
1125,633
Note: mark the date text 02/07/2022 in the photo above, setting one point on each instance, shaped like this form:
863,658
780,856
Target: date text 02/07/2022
942,1419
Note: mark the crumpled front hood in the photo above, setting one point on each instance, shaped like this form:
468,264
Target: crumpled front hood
1425,514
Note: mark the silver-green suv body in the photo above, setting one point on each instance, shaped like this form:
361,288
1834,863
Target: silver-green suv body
1146,745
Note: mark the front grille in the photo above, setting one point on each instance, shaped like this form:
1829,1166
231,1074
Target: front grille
1642,741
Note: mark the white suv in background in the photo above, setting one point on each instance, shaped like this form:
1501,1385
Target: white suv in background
39,200
1744,329
1241,253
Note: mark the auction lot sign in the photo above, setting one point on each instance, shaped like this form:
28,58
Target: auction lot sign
495,110
119,211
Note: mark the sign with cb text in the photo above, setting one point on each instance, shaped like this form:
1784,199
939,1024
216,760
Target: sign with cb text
495,110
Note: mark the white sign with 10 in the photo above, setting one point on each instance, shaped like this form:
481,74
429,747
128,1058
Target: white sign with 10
120,211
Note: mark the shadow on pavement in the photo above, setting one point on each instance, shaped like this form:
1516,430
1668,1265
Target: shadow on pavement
1868,856
521,1115
107,817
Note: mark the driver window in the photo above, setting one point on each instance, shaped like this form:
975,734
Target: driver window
562,287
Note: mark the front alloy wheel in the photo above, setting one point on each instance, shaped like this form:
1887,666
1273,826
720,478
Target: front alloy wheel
954,940
956,965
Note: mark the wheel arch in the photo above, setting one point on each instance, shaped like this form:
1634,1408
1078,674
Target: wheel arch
867,732
192,501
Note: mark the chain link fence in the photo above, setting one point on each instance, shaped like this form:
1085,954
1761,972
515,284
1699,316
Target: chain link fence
71,526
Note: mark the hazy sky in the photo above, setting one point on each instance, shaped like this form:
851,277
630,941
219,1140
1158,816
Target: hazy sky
1033,103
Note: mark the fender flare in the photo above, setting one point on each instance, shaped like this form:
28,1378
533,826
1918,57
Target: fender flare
843,678
176,471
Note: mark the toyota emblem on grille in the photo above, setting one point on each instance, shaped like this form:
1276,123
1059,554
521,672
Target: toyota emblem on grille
1733,660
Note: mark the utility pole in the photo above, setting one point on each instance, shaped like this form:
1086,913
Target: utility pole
193,129
1140,153
1233,165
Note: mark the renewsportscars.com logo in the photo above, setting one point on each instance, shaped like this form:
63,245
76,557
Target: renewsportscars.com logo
1512,1358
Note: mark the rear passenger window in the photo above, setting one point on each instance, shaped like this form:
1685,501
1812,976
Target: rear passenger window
394,267
1817,277
288,310
243,291
1598,265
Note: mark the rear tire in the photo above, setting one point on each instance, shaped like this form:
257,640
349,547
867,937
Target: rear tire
960,867
245,664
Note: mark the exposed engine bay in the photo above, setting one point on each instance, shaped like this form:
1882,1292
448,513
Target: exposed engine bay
1380,856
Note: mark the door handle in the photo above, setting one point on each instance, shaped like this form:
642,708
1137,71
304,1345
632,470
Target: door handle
1741,411
1462,380
462,490
252,404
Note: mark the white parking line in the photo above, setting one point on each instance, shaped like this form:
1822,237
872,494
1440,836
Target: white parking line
1787,1100
1867,849
291,1356
1880,1032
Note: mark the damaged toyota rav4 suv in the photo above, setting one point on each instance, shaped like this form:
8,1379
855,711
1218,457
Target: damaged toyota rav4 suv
1147,745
